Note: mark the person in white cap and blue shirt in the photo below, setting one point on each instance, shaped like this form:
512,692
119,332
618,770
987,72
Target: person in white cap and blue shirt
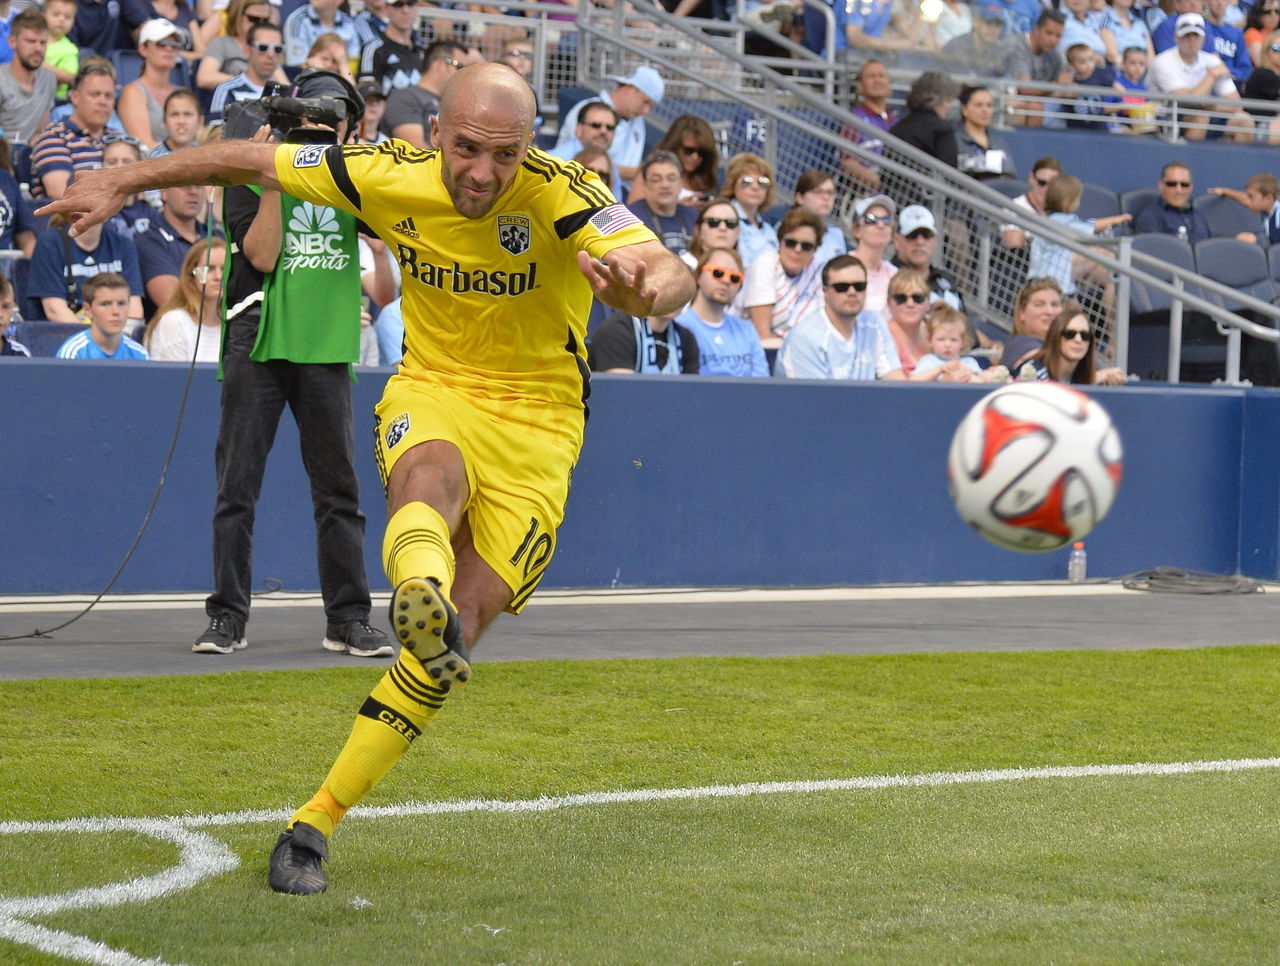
636,95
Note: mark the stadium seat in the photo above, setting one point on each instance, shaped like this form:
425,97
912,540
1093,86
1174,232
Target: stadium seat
1149,311
1227,218
1273,258
1009,187
1135,199
43,337
1098,202
1243,266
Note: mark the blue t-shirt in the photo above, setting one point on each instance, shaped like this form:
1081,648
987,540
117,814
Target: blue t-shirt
1051,260
95,27
82,346
731,348
871,15
1087,109
161,248
813,349
14,215
48,277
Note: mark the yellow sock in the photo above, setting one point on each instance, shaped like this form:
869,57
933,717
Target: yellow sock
416,544
393,715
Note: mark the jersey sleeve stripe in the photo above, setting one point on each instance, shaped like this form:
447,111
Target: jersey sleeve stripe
569,224
341,178
551,167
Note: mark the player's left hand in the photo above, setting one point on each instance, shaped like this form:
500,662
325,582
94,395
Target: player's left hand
617,287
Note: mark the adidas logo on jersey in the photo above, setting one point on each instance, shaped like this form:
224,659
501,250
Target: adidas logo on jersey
407,227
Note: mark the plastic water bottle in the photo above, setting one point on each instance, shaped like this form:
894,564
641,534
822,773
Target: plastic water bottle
1182,233
1077,563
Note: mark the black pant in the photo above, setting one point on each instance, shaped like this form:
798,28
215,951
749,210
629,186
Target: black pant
254,395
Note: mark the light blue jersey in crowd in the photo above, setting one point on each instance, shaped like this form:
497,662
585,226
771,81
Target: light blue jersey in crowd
731,348
813,349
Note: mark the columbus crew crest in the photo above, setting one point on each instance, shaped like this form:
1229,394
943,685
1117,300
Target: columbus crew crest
513,233
396,431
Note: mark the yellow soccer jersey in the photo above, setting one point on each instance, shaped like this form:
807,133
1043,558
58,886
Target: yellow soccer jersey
494,305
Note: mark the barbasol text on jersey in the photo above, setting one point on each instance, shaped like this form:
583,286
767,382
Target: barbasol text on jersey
459,280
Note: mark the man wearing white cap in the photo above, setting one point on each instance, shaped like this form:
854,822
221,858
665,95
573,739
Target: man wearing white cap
1187,68
636,95
914,244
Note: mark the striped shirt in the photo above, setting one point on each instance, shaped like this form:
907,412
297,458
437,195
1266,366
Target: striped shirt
303,26
63,146
82,346
238,88
391,64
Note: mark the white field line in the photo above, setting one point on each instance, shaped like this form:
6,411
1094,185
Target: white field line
202,857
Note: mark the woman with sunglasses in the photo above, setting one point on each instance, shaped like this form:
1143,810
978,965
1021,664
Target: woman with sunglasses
1043,171
136,14
1262,20
748,186
141,102
690,139
816,192
718,226
1067,354
784,286
227,54
873,221
908,303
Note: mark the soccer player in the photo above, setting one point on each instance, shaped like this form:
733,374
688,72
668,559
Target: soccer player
501,248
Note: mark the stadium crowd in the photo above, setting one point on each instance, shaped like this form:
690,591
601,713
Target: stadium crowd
783,289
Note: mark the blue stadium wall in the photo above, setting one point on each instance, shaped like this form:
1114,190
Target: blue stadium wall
682,482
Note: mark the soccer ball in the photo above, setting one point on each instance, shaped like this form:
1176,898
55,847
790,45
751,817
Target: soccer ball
1034,466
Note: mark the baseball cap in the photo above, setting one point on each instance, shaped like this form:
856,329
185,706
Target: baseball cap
646,80
371,89
884,201
914,218
991,10
154,31
1189,23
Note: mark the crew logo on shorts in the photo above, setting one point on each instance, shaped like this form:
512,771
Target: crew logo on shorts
513,233
309,156
397,430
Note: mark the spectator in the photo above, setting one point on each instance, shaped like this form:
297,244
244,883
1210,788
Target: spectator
166,241
1174,213
1261,195
873,230
1052,260
783,286
1264,85
841,339
816,192
1162,35
718,226
1187,68
410,109
660,210
75,144
1020,15
659,344
914,244
1131,82
727,344
1121,31
135,14
17,224
1087,70
8,307
925,127
188,323
371,21
227,55
107,309
329,52
904,312
980,152
1081,27
375,105
594,130
1038,301
636,95
182,122
60,264
748,186
262,61
874,25
96,26
1261,22
596,160
873,89
135,216
983,50
948,340
393,59
26,90
1035,57
1067,354
1228,41
141,105
955,18
1042,172
62,56
306,24
690,139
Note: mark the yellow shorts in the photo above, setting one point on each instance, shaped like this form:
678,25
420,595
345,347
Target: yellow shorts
519,457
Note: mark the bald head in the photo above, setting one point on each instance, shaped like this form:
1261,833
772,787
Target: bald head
493,90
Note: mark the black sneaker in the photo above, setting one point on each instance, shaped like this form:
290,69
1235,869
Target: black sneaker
223,635
357,638
297,861
428,625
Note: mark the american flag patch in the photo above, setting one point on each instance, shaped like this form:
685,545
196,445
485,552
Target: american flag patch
614,218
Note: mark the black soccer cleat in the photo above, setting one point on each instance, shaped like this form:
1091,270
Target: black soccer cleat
427,625
297,861
357,638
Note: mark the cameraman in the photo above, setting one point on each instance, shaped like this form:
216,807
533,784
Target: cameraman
291,304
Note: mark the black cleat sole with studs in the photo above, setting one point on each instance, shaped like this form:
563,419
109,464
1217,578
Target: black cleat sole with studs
426,624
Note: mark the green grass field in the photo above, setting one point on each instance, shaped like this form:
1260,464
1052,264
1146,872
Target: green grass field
1100,869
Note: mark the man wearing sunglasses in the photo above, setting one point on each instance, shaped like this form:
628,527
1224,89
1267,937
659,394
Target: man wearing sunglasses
410,109
840,339
1173,213
394,58
914,244
265,44
636,95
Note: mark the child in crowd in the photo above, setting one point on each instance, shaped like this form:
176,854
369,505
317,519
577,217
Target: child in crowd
61,56
8,305
1051,260
1261,195
106,303
1131,84
1087,70
948,331
182,122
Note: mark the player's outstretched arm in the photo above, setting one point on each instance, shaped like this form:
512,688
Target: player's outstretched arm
95,196
641,280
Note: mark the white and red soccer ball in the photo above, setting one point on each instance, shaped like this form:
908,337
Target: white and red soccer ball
1034,466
